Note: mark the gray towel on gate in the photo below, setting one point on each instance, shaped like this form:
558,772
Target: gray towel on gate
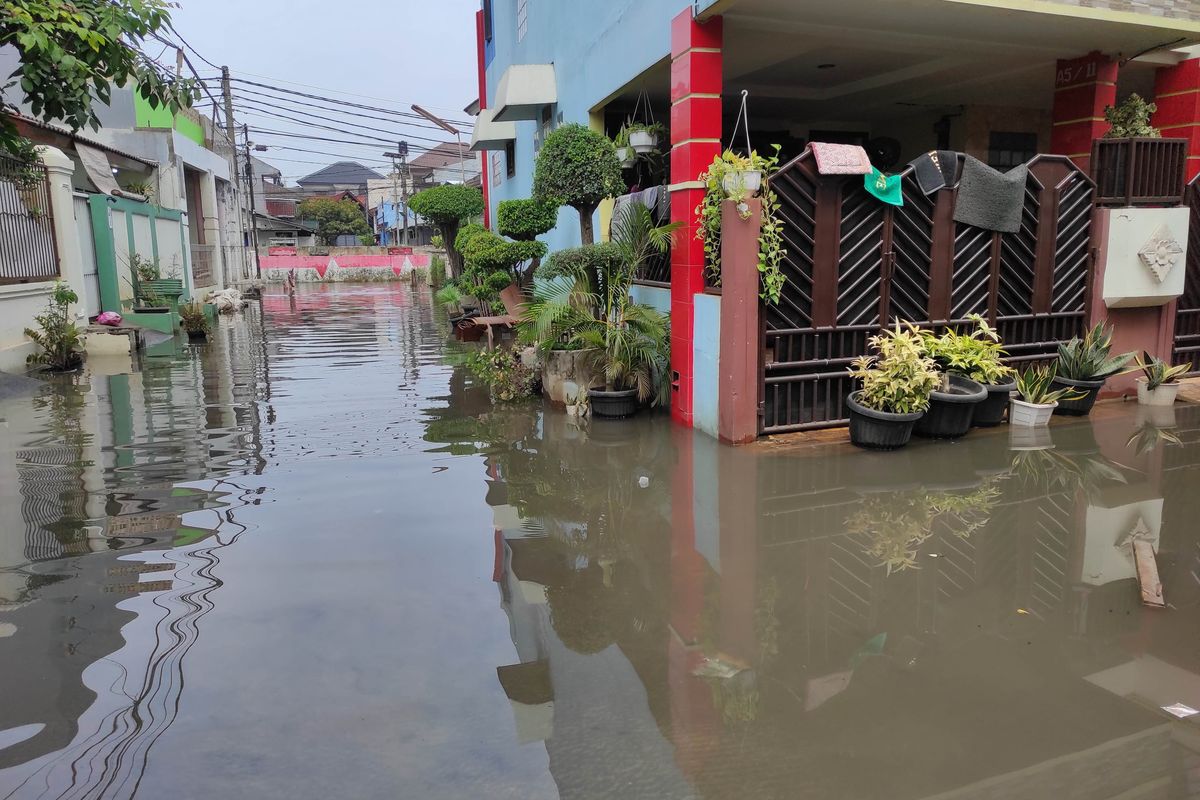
989,199
935,169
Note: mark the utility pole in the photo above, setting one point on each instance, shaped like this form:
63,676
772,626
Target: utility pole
250,183
401,169
227,92
446,126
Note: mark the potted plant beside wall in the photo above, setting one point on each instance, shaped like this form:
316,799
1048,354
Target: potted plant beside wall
1037,397
625,153
978,357
895,385
1084,364
1158,384
194,321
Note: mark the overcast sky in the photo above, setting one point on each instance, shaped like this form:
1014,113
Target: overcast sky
391,53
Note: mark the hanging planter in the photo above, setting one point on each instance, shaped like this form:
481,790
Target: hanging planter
743,183
643,141
627,157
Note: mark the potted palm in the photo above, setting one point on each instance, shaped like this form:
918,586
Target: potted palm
627,343
977,356
1036,397
895,385
1158,385
1084,364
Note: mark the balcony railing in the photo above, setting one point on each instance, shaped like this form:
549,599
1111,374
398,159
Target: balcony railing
1140,171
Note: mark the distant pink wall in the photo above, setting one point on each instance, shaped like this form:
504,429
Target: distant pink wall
396,263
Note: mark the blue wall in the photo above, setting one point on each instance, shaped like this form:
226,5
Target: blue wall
706,349
596,48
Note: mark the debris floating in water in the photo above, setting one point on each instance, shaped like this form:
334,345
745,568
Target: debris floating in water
643,481
1180,710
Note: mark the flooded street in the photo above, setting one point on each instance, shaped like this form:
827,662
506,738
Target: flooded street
312,560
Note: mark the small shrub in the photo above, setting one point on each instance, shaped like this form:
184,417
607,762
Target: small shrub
1089,359
192,318
605,258
437,271
1159,372
501,369
146,269
525,220
900,378
60,342
1130,118
977,355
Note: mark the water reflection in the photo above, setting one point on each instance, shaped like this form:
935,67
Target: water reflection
959,619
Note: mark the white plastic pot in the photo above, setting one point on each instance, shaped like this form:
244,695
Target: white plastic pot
1163,395
1029,415
749,182
642,141
1021,437
626,156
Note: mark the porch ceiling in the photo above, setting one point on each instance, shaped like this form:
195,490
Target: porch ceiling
889,57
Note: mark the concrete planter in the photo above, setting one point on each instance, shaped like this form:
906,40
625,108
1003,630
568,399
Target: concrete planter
566,371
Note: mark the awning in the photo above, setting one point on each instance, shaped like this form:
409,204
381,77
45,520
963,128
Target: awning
489,134
523,90
95,164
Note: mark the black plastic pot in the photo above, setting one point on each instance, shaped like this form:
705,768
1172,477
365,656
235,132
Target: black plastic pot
197,336
614,404
1078,408
950,412
878,430
991,411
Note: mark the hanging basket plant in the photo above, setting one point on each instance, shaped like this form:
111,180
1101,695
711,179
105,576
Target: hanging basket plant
625,153
732,176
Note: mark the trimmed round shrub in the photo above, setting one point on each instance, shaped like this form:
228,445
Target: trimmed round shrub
447,206
591,258
525,220
577,167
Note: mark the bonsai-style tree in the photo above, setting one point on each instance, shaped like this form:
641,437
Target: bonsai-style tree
491,262
577,167
446,207
1131,118
334,218
525,220
71,52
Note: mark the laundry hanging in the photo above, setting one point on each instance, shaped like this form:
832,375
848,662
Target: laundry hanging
990,199
885,187
840,159
935,169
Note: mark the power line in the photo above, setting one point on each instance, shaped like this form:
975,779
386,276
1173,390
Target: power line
393,112
302,104
270,132
263,108
189,46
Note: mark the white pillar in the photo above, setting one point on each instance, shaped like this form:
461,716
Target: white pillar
211,222
60,168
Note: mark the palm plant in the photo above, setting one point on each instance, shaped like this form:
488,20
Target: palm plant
1089,358
589,307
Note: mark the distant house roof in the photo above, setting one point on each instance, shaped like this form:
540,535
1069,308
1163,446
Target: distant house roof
263,168
443,155
342,172
266,222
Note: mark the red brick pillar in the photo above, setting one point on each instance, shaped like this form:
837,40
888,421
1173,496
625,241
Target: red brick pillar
1177,95
1082,89
695,140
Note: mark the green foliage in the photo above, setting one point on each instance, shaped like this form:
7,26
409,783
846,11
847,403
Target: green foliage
586,305
525,220
60,342
501,369
71,52
1158,372
437,241
437,271
771,251
1088,359
577,167
334,218
146,269
485,254
977,355
192,317
900,377
603,257
1131,118
449,203
448,295
1035,385
462,240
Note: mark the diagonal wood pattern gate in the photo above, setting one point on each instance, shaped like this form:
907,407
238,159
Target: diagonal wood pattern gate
1187,309
855,264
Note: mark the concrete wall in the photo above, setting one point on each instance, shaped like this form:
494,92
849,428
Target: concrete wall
707,343
658,297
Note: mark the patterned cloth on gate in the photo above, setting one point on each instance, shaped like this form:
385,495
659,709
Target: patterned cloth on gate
840,159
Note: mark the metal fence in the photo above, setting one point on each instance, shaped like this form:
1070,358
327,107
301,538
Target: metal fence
202,264
27,249
1139,172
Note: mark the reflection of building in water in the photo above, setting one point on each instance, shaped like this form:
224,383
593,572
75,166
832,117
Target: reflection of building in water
785,650
92,493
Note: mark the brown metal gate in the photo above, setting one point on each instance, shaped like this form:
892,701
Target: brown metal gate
854,264
1187,310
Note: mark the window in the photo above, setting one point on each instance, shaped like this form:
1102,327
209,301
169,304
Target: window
510,158
1008,149
522,18
487,20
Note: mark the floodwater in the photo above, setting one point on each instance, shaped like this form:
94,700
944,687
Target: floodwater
311,560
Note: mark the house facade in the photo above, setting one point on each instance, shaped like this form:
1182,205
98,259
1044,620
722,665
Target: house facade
1001,80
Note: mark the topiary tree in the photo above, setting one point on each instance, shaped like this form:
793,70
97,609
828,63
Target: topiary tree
335,218
446,207
525,220
577,167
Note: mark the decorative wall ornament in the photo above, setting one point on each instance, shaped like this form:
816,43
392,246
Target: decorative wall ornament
1161,253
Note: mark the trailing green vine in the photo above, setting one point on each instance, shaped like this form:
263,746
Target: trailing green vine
723,181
